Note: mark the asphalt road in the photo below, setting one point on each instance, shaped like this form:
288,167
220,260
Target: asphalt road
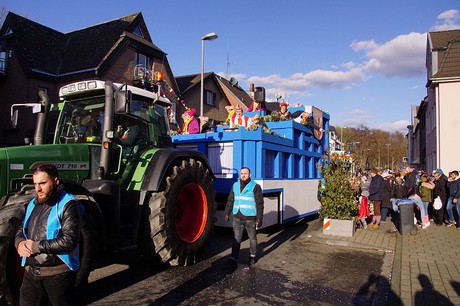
293,269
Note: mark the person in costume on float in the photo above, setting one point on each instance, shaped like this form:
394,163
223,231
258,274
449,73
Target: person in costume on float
257,106
191,124
283,112
238,119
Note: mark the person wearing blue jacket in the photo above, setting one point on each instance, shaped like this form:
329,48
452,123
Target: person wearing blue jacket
246,203
48,241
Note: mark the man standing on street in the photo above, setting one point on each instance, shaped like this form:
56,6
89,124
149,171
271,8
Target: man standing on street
376,196
48,241
440,191
454,195
246,203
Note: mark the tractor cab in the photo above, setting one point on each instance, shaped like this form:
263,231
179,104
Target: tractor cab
122,123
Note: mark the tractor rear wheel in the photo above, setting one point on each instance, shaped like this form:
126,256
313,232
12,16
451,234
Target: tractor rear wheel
181,218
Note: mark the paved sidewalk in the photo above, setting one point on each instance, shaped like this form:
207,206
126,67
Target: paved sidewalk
426,263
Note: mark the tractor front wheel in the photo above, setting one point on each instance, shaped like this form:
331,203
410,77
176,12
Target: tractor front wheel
181,218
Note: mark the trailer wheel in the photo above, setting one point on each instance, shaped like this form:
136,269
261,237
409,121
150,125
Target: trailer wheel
11,271
181,218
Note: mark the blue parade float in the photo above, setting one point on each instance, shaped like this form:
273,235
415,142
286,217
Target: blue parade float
284,162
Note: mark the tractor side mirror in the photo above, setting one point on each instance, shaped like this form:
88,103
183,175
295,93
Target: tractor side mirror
14,118
123,102
36,108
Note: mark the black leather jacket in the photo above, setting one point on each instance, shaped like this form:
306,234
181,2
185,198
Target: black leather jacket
67,239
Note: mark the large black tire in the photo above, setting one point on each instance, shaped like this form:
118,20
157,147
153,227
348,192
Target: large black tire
11,272
181,218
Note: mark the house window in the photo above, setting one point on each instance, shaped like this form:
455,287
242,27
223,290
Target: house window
3,65
138,32
142,59
210,98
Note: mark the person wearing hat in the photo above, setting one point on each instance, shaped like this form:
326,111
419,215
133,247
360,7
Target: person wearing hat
191,125
284,113
238,119
257,106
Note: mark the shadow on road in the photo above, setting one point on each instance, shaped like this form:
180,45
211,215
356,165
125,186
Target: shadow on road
139,268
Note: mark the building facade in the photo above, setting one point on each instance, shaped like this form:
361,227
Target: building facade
442,105
34,57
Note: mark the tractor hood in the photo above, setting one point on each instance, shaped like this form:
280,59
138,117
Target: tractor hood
16,163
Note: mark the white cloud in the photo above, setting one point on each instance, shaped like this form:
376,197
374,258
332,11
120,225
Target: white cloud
447,20
298,83
237,76
397,126
404,55
355,118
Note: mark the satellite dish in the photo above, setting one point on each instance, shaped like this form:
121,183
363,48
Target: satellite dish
233,81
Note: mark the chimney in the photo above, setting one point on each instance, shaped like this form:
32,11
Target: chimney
251,91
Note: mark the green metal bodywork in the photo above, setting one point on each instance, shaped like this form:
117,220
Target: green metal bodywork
16,163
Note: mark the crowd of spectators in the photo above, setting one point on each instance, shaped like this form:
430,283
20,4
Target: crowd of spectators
434,196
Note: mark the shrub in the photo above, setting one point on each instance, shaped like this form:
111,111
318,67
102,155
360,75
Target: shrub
337,196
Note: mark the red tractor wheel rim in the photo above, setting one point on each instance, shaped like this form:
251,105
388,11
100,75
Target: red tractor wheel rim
191,212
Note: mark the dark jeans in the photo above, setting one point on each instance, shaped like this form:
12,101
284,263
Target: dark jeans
440,214
384,212
238,229
58,289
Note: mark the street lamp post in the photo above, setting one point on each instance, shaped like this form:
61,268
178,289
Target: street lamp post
341,138
209,36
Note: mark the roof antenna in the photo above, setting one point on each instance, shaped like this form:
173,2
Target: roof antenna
228,57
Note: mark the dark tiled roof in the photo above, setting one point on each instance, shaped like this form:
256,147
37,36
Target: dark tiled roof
236,90
46,50
87,47
450,64
37,46
186,82
441,39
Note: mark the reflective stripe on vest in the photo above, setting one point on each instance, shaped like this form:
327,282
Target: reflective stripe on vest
244,200
53,226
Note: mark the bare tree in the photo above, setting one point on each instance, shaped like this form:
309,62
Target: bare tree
3,12
374,148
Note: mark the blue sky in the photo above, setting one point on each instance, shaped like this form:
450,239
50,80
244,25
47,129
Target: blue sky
362,61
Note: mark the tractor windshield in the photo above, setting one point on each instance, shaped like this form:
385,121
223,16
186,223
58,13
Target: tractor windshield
81,121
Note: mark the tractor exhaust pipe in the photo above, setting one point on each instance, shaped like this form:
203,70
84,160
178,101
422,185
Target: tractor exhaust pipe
42,118
108,126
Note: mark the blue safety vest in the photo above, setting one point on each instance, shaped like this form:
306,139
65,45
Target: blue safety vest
53,227
244,200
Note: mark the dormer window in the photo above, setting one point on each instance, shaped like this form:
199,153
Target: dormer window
8,31
138,32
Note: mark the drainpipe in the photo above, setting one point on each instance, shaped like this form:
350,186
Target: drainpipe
42,118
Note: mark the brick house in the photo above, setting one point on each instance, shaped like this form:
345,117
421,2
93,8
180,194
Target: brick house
218,93
33,57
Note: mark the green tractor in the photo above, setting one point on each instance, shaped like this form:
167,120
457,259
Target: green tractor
138,193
